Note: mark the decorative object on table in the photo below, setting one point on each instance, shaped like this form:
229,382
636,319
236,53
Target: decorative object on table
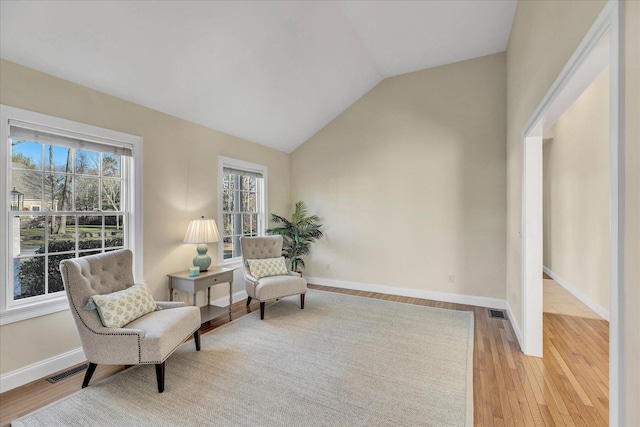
194,271
298,233
202,231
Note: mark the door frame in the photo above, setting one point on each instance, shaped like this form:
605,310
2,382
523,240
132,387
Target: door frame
608,24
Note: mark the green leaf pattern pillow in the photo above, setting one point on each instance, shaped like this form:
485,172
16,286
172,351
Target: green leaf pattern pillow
267,267
119,308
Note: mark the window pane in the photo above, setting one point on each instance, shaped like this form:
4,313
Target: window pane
55,279
58,159
227,201
62,233
249,224
111,165
111,194
89,232
26,154
248,202
254,224
30,234
28,277
58,192
87,191
26,187
228,247
87,162
113,229
228,224
248,183
244,201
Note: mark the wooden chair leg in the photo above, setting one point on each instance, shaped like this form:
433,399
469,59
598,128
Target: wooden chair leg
160,376
302,301
262,303
248,301
87,376
196,338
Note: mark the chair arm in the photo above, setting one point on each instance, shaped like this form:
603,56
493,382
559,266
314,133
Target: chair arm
112,346
251,278
170,304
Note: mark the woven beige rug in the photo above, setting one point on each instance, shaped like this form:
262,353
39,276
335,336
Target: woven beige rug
342,361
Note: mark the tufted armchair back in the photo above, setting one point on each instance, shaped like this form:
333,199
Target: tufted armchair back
95,275
260,248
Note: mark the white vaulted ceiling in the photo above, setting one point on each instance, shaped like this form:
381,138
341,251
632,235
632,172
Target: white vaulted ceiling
269,72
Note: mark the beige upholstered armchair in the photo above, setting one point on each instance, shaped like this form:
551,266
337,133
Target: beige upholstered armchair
279,282
101,289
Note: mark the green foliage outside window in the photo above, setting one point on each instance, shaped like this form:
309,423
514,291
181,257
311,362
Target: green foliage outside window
30,280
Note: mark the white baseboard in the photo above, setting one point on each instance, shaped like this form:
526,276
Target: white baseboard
514,324
576,293
41,369
413,293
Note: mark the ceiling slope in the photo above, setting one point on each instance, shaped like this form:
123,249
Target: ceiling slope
270,72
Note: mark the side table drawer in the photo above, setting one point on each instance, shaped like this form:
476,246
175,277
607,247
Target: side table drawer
221,278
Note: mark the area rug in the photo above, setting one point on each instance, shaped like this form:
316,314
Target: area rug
342,361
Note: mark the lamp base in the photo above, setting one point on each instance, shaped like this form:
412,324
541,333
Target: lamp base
202,260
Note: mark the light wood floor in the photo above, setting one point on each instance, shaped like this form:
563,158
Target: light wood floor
569,386
558,300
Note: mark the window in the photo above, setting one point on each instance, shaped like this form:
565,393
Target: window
69,192
242,204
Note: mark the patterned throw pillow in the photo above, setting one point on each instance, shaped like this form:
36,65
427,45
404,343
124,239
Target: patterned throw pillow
119,308
267,267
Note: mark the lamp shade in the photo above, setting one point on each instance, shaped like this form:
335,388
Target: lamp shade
202,230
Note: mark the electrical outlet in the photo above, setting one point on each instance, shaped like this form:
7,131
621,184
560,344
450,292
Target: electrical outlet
328,267
451,278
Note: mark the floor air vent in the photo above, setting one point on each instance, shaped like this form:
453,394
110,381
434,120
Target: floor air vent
54,379
496,314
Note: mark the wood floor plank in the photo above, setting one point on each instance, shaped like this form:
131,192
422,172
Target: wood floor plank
568,387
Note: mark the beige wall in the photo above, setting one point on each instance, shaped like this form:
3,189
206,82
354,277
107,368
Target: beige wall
576,195
410,183
180,183
543,37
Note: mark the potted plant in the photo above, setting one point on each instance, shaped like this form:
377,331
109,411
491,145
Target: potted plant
298,234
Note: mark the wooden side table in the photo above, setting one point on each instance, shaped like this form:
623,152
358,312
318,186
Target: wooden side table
206,279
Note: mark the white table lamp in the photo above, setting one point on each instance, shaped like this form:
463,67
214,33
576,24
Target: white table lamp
202,231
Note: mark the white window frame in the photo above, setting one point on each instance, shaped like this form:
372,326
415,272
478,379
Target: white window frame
263,202
14,311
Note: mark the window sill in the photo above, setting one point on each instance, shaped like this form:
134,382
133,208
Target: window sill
41,308
236,263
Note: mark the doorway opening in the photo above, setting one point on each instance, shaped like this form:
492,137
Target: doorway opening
601,47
